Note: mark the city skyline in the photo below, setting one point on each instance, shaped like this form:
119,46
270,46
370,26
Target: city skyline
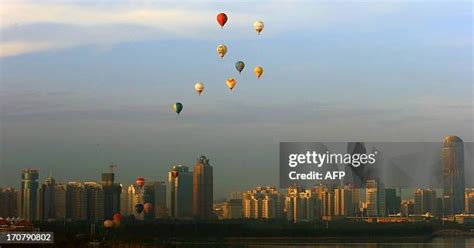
91,83
383,172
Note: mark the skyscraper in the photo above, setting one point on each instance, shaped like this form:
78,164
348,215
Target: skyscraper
8,203
60,201
392,201
48,189
343,205
160,199
425,201
375,198
149,197
76,201
232,209
94,202
327,203
453,175
262,203
111,191
407,208
29,195
179,198
203,189
300,205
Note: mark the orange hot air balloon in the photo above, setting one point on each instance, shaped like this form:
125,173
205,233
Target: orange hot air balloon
258,70
221,19
117,217
147,207
140,181
231,83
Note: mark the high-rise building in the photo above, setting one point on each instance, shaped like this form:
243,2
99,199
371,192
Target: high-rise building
8,203
375,198
76,202
343,205
392,201
48,188
469,201
149,197
324,208
111,191
60,201
95,201
327,203
300,205
129,199
203,189
407,208
179,198
356,200
160,199
263,203
425,201
232,209
124,201
29,195
453,175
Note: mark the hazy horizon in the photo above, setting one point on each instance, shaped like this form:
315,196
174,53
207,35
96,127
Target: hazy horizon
78,74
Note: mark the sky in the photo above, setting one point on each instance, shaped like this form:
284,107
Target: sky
83,83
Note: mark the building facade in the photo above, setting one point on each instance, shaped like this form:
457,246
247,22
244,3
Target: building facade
179,197
232,209
76,202
29,201
111,195
425,201
263,203
453,175
48,188
375,198
8,203
203,189
343,205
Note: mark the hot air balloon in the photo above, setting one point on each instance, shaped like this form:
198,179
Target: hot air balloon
221,19
174,174
240,65
147,207
178,107
199,87
221,50
117,217
258,70
231,83
139,208
108,223
140,181
258,26
116,223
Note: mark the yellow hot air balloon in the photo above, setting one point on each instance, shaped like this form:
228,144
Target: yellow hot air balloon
221,50
231,83
199,87
258,70
258,26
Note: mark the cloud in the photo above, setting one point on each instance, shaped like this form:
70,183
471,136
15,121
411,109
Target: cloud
74,24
